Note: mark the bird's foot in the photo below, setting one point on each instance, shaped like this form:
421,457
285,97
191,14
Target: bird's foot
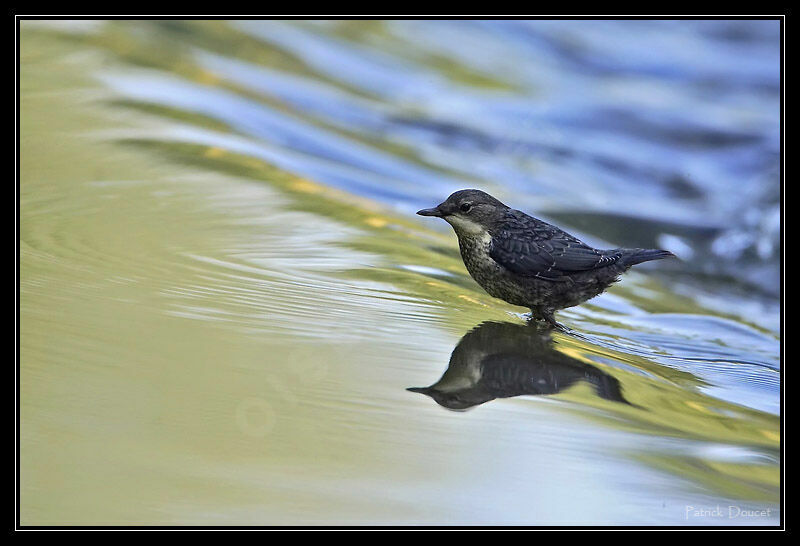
546,316
551,320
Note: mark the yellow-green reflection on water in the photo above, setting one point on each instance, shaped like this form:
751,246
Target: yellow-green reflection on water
206,338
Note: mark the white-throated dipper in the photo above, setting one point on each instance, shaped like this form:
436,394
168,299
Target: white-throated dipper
528,262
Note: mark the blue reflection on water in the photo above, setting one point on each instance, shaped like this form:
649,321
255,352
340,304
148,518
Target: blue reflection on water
673,122
635,133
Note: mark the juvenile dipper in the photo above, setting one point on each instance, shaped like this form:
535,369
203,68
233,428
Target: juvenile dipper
528,262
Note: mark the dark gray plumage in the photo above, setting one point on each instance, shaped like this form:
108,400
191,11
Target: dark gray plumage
528,262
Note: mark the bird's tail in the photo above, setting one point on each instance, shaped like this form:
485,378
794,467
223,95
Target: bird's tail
633,256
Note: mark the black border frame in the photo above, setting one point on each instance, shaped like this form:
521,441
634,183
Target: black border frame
18,527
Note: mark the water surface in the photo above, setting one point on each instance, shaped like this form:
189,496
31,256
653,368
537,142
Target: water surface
225,294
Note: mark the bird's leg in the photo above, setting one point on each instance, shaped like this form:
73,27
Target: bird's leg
535,314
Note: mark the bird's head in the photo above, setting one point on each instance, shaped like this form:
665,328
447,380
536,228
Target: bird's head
469,211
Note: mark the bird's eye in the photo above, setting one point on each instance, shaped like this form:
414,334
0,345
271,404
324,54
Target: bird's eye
466,207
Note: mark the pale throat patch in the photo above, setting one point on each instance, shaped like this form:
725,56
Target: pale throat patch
465,225
464,375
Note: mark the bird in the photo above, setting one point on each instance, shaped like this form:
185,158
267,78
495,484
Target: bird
528,262
503,360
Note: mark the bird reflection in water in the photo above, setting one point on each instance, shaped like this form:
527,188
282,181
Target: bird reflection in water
501,360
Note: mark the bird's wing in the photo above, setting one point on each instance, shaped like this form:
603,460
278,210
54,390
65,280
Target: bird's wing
532,248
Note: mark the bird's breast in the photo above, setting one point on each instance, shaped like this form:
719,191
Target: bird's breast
475,253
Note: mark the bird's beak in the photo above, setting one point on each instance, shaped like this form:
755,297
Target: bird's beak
430,212
423,390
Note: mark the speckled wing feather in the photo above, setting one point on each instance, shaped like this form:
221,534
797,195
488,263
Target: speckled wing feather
530,247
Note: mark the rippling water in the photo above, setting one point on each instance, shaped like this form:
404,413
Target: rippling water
225,294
